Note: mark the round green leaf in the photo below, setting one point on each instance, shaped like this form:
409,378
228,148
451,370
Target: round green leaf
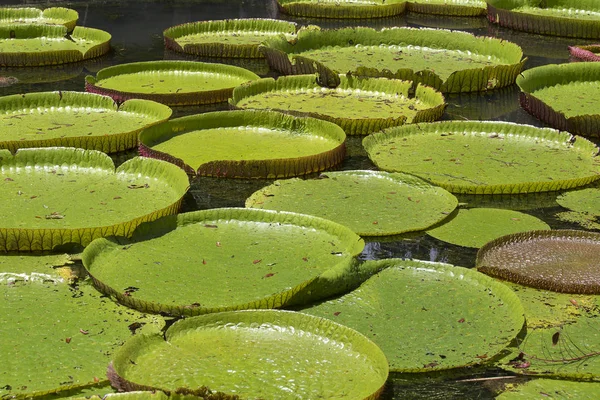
552,389
359,105
54,196
559,260
564,96
169,82
572,18
75,119
584,201
487,157
428,316
56,336
254,354
584,220
246,144
475,227
368,202
38,45
342,8
30,15
450,61
562,338
226,259
230,38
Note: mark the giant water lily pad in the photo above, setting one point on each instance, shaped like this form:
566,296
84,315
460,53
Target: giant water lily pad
558,260
49,16
562,338
37,45
487,157
370,203
552,389
226,259
476,226
232,38
360,106
75,119
429,316
572,18
54,196
565,96
462,8
246,144
585,201
57,336
449,61
169,82
342,8
263,354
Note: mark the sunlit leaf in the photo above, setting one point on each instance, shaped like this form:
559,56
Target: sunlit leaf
30,15
487,157
429,316
370,203
450,61
342,8
565,96
246,144
75,119
230,38
226,259
474,227
60,195
38,45
359,105
55,336
573,18
169,82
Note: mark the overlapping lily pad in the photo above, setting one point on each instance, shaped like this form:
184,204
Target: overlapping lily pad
254,354
429,316
75,119
342,8
359,105
585,53
232,38
246,144
558,260
169,82
49,16
553,389
487,157
226,259
55,196
562,337
476,226
565,96
462,8
37,45
449,61
584,201
572,18
370,203
57,336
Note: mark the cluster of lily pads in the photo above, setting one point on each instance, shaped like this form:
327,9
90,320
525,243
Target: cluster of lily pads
272,300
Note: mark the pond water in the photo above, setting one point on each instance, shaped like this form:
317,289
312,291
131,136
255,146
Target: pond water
136,28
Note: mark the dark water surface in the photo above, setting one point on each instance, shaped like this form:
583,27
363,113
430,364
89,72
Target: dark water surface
136,28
